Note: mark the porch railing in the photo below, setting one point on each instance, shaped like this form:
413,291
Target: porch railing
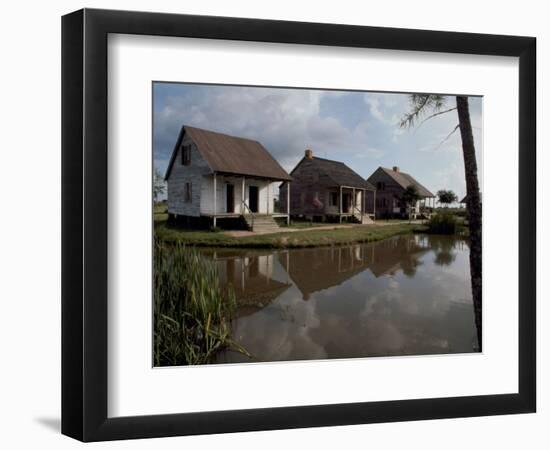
246,207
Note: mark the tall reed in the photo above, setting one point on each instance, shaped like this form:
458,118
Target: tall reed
192,313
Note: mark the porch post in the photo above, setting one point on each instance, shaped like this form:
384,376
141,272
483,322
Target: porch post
288,202
363,191
215,208
374,205
242,198
340,204
267,197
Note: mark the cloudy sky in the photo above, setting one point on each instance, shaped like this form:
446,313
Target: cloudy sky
358,128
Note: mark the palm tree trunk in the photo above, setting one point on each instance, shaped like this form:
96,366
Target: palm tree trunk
473,204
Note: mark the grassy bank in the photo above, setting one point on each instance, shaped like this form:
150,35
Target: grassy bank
192,314
296,239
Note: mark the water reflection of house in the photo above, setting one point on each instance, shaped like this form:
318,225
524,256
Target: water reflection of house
316,269
256,277
389,256
259,277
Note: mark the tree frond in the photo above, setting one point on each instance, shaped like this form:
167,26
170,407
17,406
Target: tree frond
420,104
431,116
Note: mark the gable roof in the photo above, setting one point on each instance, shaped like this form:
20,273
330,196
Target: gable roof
338,172
405,180
231,154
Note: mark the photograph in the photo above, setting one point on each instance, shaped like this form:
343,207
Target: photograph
307,224
272,225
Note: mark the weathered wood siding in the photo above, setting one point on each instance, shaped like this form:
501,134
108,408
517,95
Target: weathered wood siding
309,192
387,202
200,176
180,175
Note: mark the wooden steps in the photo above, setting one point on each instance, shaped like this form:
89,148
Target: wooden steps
261,223
366,219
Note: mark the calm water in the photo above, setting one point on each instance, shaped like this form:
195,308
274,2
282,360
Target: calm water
407,295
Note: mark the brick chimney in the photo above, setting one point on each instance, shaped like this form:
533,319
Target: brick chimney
309,153
395,169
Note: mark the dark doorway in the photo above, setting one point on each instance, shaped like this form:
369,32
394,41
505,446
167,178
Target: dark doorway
230,198
253,198
347,202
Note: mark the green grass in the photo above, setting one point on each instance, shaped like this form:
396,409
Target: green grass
297,239
456,211
160,212
192,313
299,224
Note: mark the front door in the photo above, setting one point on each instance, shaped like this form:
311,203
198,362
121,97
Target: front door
253,198
230,198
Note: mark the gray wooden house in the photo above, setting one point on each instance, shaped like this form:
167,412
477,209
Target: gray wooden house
217,179
323,189
390,185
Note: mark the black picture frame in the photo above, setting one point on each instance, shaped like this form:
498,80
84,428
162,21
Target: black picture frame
84,224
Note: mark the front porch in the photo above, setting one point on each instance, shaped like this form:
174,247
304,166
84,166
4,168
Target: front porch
231,196
353,204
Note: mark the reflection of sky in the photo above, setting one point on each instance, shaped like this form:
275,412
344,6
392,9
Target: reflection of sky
427,311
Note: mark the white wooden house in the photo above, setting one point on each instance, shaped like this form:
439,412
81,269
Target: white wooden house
213,176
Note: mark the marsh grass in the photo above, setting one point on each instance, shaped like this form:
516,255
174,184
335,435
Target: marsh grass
192,313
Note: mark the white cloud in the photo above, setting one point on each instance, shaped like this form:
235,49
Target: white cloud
287,121
374,107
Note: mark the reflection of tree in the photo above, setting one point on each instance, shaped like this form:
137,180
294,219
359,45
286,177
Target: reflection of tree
409,267
443,248
444,258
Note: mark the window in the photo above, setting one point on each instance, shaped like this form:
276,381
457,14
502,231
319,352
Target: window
188,193
380,186
333,198
186,155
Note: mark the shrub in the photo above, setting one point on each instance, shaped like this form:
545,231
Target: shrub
443,223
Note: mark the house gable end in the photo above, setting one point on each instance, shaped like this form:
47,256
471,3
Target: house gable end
380,176
196,155
186,181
